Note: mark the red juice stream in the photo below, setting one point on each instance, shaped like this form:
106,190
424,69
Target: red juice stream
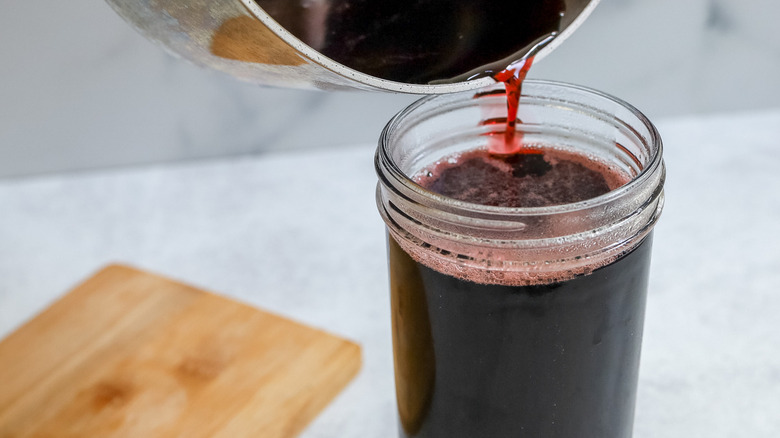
512,78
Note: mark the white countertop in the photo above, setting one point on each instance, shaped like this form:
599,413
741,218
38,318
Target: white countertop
298,234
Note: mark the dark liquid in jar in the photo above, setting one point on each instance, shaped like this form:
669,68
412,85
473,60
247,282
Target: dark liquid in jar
555,359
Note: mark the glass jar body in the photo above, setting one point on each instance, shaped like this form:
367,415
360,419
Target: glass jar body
519,321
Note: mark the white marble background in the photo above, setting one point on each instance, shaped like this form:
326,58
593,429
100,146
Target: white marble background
711,355
79,89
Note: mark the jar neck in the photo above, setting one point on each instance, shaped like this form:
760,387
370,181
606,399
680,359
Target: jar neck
519,246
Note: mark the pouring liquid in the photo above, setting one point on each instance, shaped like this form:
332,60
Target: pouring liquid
512,78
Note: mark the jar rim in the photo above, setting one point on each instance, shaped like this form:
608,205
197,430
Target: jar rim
383,158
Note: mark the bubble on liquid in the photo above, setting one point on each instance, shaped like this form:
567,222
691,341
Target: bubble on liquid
547,176
538,178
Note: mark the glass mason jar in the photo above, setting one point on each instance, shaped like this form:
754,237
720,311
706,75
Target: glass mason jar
519,321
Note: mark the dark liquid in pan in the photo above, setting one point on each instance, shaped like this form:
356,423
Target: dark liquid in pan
418,41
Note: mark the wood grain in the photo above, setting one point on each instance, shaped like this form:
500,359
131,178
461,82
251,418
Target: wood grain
131,354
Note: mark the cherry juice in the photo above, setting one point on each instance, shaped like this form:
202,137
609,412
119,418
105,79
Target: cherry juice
557,358
420,41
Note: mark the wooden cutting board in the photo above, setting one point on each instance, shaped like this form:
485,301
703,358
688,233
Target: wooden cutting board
131,354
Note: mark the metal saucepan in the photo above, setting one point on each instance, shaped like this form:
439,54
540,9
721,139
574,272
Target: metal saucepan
409,46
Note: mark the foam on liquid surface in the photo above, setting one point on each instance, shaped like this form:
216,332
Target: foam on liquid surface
537,177
534,178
